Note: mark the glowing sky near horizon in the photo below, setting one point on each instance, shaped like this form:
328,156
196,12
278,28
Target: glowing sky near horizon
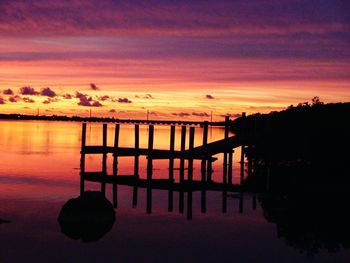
174,58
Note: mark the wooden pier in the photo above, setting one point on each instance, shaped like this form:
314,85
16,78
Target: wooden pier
206,153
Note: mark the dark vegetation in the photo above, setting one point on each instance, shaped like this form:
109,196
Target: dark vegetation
306,146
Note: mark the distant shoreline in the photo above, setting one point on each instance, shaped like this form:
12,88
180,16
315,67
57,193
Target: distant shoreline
106,119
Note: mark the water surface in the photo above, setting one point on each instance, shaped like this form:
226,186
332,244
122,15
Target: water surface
39,172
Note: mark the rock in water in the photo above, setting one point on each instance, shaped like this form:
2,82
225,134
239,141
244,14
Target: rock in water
88,217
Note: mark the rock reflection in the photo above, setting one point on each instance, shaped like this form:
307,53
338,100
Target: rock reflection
3,221
88,217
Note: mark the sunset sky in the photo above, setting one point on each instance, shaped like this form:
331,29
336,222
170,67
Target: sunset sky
177,59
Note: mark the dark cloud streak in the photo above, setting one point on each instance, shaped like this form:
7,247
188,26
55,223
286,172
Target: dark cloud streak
202,18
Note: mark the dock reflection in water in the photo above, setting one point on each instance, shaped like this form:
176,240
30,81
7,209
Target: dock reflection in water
183,191
308,222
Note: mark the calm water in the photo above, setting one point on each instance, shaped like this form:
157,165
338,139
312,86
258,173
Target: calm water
39,172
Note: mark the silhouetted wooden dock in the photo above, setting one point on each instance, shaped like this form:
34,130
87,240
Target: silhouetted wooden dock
206,153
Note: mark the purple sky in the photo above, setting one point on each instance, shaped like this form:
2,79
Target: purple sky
199,47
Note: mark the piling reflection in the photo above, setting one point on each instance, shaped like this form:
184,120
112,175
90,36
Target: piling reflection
184,191
307,222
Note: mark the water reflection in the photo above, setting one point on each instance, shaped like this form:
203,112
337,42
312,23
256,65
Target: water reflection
32,195
3,221
88,217
184,192
307,222
310,222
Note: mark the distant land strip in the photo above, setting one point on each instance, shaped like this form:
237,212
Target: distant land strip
107,119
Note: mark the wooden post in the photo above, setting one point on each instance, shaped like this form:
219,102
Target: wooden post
224,174
171,149
243,145
190,160
250,163
104,144
205,141
230,166
83,137
115,150
209,169
205,133
82,159
182,160
115,166
242,163
104,157
136,158
150,149
226,152
190,173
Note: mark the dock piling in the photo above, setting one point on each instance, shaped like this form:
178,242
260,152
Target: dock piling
104,156
150,149
182,148
242,163
136,157
190,160
82,158
230,166
115,165
224,174
204,153
205,141
171,149
243,146
115,150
